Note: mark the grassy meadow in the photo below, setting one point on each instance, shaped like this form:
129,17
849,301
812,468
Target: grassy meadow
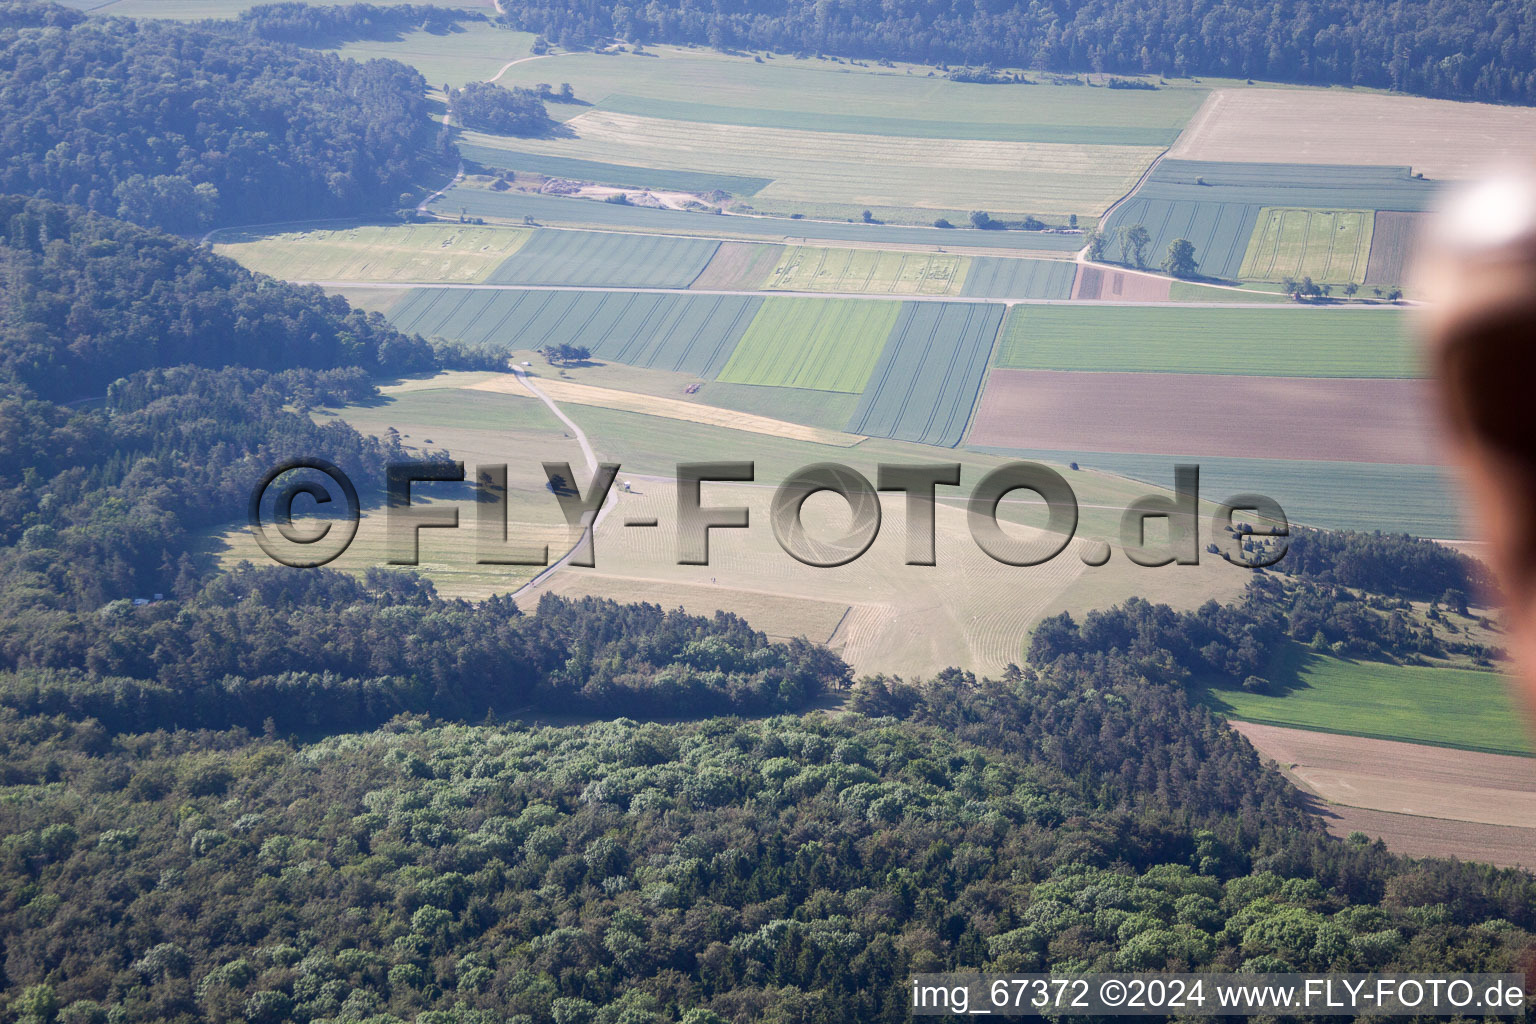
1445,707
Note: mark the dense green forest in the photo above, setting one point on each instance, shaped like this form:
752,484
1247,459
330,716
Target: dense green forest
1456,48
491,108
789,869
312,25
183,126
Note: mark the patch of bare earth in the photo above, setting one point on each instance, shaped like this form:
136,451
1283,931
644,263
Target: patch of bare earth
1438,138
1421,800
1393,243
1101,284
738,266
1337,419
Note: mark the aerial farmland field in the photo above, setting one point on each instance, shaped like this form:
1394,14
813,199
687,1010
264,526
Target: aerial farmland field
925,383
1001,277
1282,342
691,84
739,266
513,207
1436,706
1216,206
1439,138
605,259
1329,246
1393,244
820,344
1046,178
690,333
448,253
611,174
851,271
475,52
1203,414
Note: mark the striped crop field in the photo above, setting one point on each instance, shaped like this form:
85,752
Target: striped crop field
689,333
925,383
450,253
606,259
1217,206
821,344
1001,277
805,268
1280,342
1329,246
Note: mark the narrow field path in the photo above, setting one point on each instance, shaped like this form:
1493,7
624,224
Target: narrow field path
588,454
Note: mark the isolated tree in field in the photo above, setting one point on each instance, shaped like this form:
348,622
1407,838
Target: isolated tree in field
1180,261
982,219
1288,285
1350,289
1095,244
1133,245
565,355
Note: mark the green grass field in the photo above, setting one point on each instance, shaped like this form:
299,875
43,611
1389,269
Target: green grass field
811,269
1281,342
1440,706
821,344
454,58
834,96
1329,246
405,252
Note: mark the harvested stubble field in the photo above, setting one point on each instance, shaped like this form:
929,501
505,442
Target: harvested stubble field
833,96
1444,707
1101,284
1201,414
1404,778
681,332
513,206
862,169
606,259
969,610
820,344
401,252
1217,205
999,277
1282,342
873,271
1393,244
924,385
1329,246
1440,138
667,408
